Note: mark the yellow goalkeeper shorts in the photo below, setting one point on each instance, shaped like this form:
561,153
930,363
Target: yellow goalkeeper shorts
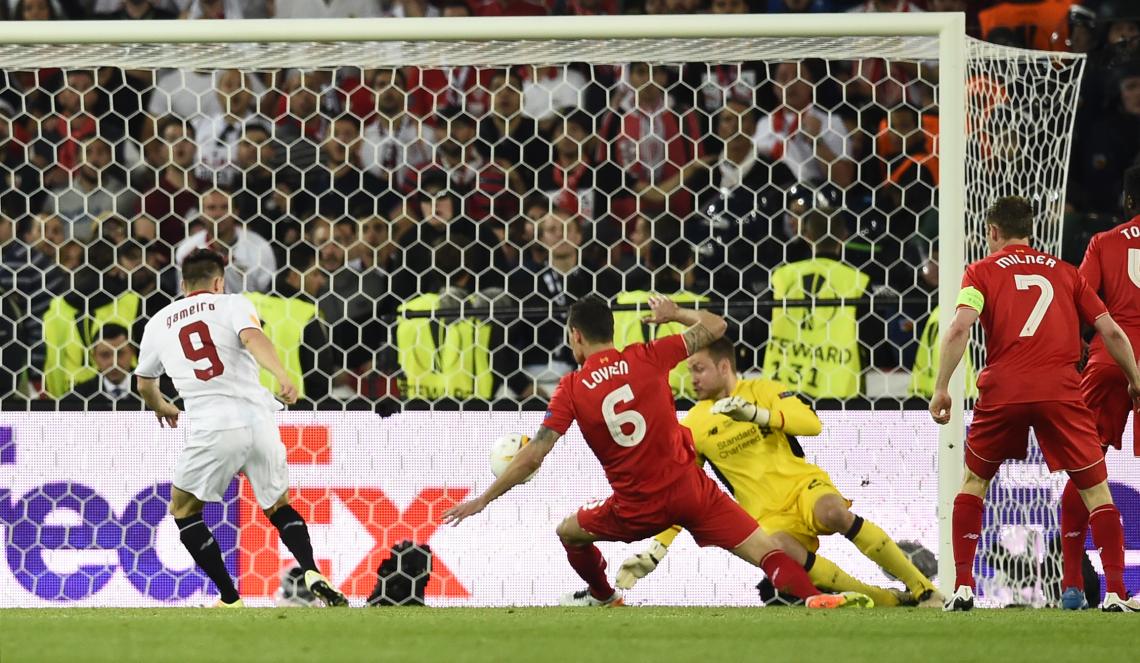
799,519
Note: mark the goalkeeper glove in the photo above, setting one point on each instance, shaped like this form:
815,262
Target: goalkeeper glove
637,567
738,409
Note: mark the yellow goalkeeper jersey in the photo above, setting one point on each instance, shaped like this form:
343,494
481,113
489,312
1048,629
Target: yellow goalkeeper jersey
764,468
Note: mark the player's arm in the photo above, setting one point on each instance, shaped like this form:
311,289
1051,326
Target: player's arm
954,343
1120,348
166,411
787,413
704,327
263,351
526,463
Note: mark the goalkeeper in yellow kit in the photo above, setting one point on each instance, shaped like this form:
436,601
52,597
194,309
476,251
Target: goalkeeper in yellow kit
746,429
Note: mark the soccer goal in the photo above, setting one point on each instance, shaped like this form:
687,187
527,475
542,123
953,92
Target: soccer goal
413,204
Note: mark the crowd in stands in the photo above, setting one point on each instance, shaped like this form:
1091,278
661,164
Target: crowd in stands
353,203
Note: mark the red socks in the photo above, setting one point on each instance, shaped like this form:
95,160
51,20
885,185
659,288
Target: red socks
1108,535
1074,527
967,530
787,576
589,564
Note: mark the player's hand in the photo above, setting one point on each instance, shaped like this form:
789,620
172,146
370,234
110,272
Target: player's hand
663,309
461,512
1134,392
940,407
167,414
738,409
640,565
288,393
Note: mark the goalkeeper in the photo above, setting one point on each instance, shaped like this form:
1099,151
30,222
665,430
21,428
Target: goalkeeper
746,429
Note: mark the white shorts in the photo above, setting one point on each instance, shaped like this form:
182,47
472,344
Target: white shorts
212,457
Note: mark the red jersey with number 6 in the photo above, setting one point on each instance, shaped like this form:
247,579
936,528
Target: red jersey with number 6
197,342
1112,268
1032,305
624,407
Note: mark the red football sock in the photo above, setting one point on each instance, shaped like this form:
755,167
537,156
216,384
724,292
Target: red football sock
1108,535
1074,527
967,530
589,564
787,576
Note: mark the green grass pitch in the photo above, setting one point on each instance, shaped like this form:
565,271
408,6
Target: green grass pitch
659,635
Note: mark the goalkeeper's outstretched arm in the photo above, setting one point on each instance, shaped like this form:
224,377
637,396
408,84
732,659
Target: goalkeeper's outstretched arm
526,463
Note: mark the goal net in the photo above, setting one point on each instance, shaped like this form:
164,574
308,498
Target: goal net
412,218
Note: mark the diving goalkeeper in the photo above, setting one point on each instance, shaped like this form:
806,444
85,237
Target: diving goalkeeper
747,429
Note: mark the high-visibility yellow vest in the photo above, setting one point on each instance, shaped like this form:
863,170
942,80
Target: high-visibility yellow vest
927,360
816,350
442,360
629,328
283,319
68,340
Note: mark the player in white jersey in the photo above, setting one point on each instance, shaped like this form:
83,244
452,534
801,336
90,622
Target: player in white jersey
210,344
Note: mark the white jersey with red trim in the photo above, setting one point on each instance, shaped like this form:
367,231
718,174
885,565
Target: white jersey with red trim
196,342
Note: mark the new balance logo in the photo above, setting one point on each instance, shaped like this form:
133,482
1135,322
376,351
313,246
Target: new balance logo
1073,535
971,536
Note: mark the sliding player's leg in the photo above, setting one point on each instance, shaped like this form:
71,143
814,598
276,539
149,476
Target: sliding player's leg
203,473
200,543
715,519
827,576
585,558
267,471
826,511
1069,441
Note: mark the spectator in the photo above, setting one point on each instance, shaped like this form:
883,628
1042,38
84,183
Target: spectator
326,9
138,10
799,6
885,7
114,358
569,176
347,188
62,132
509,138
217,134
251,263
29,279
222,9
808,140
509,8
396,144
36,10
256,160
551,276
303,281
551,91
300,126
94,189
1106,144
172,199
654,144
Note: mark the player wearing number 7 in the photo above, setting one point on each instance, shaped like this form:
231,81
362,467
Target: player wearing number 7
1031,305
210,345
624,407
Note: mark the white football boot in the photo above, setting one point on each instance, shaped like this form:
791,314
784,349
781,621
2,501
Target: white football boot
962,601
1113,603
583,599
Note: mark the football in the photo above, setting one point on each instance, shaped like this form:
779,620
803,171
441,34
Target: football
504,450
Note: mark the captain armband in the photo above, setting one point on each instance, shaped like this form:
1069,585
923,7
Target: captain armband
972,297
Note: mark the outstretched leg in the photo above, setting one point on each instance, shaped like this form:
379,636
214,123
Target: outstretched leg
587,561
294,534
200,542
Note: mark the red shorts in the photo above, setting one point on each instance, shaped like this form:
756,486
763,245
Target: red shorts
1065,430
694,502
1105,389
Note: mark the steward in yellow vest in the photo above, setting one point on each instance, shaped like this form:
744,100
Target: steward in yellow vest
291,320
70,332
443,359
816,350
926,361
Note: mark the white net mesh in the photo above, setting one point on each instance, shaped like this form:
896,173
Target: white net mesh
416,217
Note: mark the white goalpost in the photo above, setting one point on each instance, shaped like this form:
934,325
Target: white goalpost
982,94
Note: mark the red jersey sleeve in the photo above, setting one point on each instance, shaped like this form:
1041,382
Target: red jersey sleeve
1090,266
666,353
1089,305
560,411
973,292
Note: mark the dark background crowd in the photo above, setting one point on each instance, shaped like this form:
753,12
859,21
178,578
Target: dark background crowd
361,191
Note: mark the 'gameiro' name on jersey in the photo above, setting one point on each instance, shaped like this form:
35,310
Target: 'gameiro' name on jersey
1015,259
600,375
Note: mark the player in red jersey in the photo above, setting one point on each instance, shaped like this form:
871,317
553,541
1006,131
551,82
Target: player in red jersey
624,407
1031,306
1112,268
